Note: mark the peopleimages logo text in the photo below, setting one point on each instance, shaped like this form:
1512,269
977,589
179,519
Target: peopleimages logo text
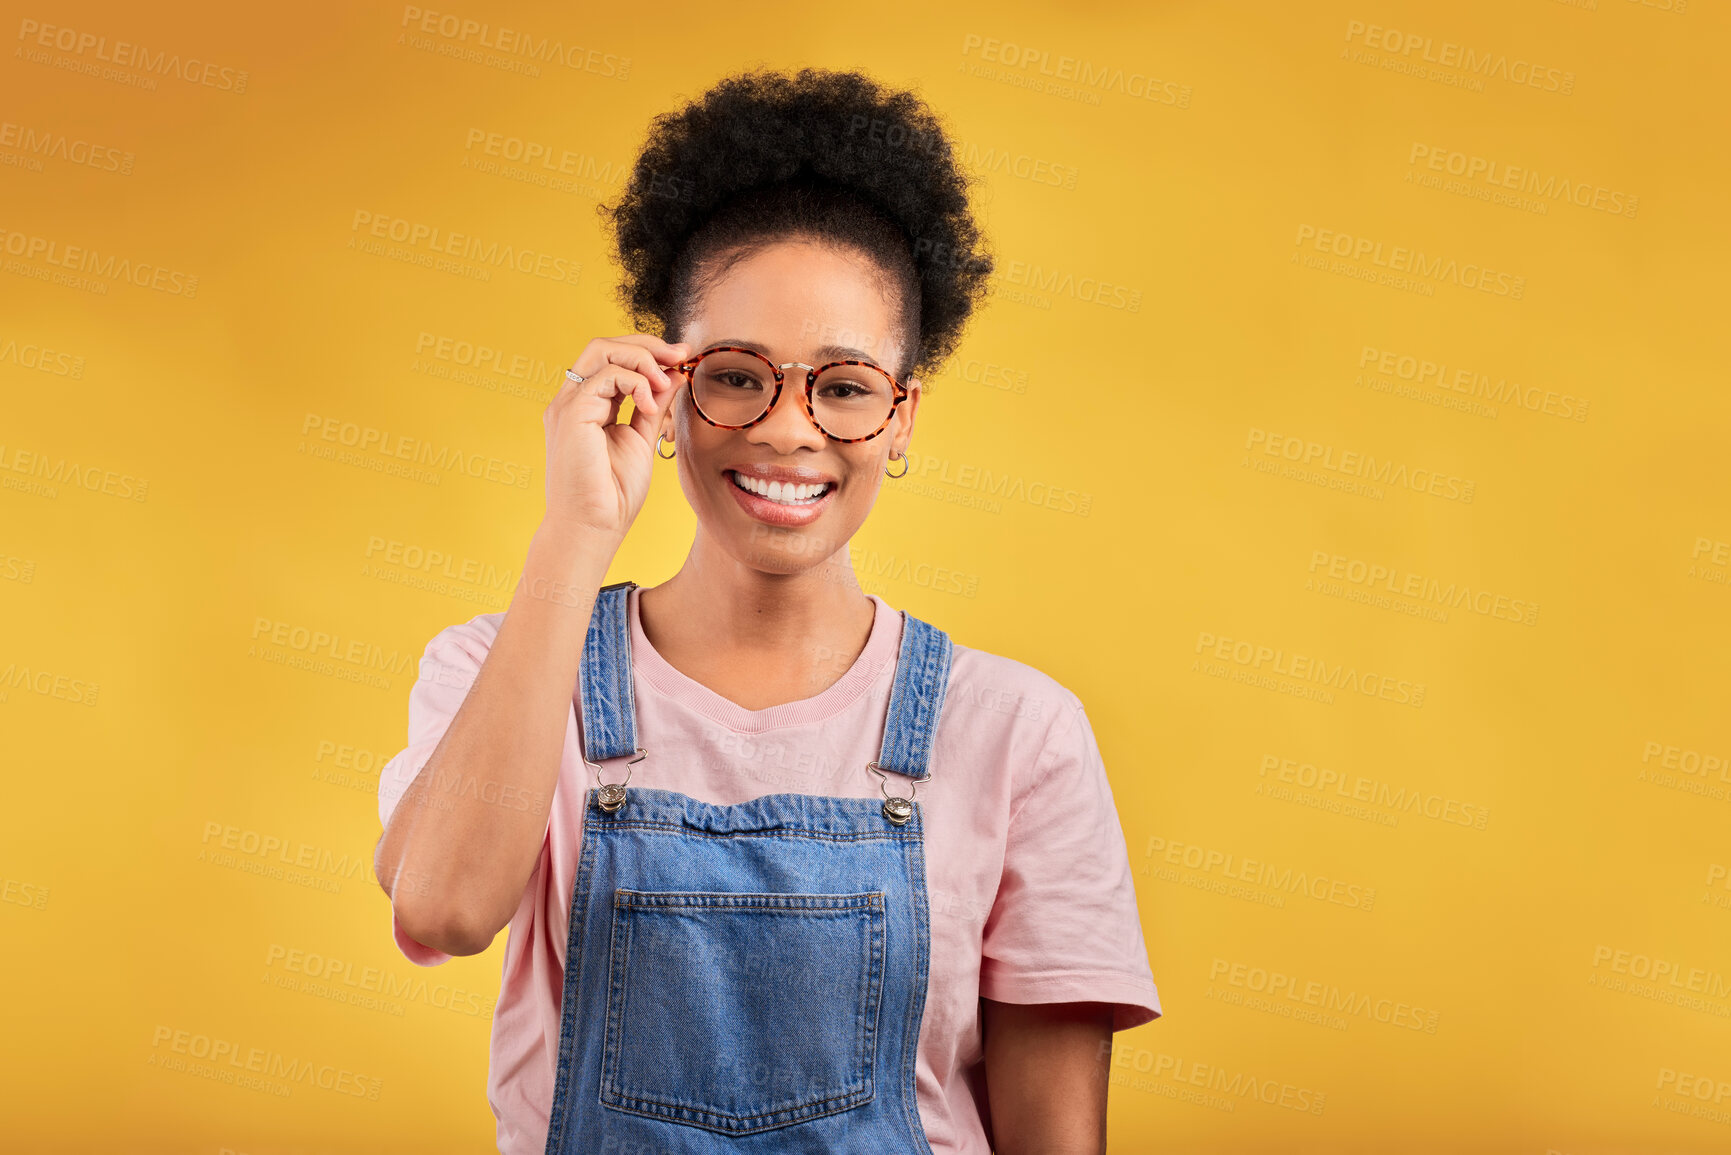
1401,259
1487,64
122,54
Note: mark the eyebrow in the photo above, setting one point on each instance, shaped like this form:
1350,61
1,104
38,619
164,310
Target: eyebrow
823,352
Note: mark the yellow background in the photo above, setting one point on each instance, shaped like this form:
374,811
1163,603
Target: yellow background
148,718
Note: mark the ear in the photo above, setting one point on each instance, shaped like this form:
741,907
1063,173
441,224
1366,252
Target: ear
905,418
669,416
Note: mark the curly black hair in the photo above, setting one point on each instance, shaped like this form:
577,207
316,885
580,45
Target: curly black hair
823,154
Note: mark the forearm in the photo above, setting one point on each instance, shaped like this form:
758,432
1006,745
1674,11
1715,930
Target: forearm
1046,1079
469,828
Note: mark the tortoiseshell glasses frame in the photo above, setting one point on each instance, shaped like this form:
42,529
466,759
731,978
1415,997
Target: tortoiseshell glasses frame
812,374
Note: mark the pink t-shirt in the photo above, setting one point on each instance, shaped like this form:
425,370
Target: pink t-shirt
1028,877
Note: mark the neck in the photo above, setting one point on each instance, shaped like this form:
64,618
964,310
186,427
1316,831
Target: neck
719,604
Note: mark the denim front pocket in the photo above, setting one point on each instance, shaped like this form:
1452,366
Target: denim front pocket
741,1013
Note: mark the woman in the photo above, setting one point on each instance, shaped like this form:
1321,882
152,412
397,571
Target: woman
733,925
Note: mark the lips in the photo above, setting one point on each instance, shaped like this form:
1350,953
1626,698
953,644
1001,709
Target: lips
779,502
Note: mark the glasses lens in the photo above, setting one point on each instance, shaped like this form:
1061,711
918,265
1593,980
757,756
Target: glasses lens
732,388
852,400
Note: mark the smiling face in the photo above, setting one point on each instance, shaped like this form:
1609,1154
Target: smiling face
780,497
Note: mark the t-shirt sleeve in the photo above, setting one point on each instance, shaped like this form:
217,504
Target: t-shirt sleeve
1064,926
448,668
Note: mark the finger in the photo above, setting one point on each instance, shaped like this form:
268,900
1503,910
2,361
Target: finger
638,351
647,422
659,384
573,391
614,384
614,389
602,352
568,386
629,358
577,402
632,355
668,353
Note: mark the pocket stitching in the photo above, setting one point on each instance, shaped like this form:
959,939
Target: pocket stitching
629,902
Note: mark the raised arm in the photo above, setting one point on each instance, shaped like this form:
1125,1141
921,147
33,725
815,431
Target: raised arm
460,834
469,828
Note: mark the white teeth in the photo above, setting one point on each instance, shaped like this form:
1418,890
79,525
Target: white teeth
783,493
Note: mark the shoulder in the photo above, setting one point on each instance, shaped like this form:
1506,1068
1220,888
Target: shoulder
1011,721
479,630
998,686
1008,713
448,668
989,688
454,655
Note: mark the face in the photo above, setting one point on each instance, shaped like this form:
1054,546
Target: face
795,301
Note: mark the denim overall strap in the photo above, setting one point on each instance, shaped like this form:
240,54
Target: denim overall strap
916,699
609,710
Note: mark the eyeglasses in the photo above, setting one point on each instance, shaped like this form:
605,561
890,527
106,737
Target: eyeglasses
735,388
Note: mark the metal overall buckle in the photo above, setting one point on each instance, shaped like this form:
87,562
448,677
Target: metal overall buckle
612,794
896,808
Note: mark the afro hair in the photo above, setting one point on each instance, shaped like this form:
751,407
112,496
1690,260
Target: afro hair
818,154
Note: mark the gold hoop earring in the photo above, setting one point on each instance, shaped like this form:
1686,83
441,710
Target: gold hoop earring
904,472
665,456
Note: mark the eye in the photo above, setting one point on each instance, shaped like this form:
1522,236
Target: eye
856,386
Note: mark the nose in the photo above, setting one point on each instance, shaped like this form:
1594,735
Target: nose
782,430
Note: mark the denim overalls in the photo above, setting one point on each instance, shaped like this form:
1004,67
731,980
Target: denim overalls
747,977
